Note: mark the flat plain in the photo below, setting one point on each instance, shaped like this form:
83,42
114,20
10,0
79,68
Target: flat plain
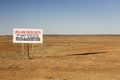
62,57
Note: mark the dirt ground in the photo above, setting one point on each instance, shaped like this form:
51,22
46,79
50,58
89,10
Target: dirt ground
62,57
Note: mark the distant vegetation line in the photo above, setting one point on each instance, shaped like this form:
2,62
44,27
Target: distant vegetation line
71,35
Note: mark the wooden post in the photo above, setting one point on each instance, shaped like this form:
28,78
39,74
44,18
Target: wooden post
32,50
22,49
28,51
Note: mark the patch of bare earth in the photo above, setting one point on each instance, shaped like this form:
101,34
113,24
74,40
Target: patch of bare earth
77,57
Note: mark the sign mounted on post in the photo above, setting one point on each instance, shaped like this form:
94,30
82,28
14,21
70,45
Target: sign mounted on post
27,35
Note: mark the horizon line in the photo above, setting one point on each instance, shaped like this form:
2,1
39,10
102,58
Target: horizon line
70,34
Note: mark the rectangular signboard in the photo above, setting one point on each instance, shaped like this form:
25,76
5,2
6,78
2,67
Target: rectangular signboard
27,35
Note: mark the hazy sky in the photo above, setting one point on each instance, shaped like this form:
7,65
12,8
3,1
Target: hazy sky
61,16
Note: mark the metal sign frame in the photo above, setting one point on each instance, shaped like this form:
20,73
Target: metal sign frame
27,36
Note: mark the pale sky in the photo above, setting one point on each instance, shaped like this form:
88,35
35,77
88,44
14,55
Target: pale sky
61,16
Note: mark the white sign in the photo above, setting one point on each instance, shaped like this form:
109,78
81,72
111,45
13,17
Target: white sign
27,36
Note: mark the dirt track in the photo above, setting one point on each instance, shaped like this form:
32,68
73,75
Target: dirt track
64,58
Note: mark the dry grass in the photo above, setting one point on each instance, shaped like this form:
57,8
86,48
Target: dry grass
64,58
